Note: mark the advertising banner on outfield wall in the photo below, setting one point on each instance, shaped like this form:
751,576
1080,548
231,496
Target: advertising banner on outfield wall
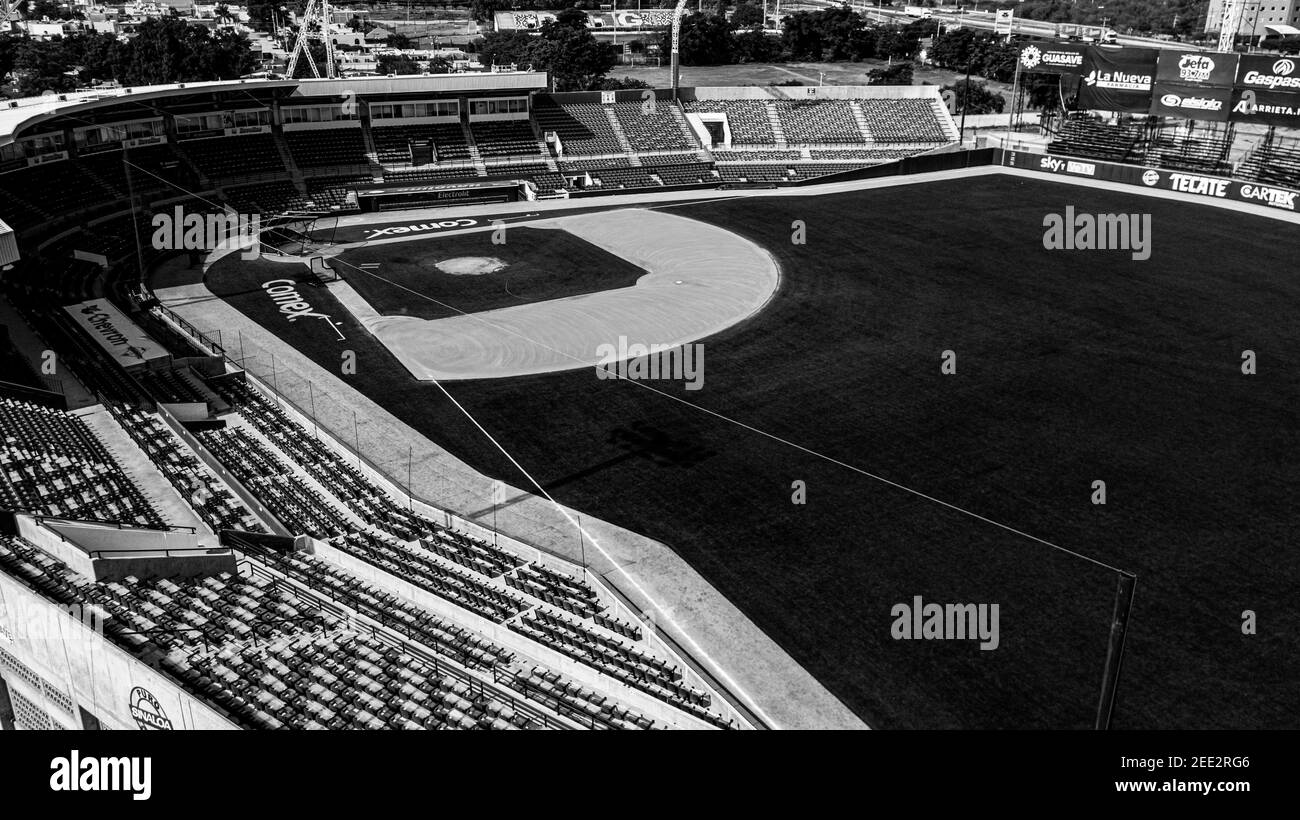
1191,102
1052,58
1178,181
1269,72
1266,107
1197,68
1117,79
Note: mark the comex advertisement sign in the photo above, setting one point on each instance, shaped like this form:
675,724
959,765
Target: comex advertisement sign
1184,183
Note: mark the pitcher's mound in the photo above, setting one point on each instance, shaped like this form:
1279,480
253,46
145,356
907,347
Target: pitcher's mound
470,265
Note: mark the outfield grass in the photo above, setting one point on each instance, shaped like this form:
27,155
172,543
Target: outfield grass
540,265
1072,367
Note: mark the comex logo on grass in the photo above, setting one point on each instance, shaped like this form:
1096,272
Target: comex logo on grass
228,230
75,773
1105,232
640,362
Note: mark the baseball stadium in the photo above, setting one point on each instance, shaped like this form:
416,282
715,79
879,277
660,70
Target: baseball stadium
504,408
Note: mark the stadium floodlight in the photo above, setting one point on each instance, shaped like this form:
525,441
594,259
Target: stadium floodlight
677,36
314,25
1233,12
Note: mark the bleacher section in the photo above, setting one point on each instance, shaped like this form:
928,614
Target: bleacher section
52,464
324,147
1083,137
819,122
749,119
583,128
242,156
311,489
905,121
652,128
506,138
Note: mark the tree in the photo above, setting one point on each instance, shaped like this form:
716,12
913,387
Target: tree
755,47
8,46
622,84
439,65
802,36
397,64
747,15
974,97
483,10
399,41
575,60
896,74
705,40
168,50
505,48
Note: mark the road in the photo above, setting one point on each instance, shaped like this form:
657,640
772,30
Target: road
984,20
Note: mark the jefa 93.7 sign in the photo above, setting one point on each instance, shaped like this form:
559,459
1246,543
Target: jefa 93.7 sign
1197,68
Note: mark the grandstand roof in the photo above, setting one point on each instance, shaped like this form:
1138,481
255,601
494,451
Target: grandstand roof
18,113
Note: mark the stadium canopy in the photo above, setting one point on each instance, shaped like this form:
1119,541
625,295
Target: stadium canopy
1284,30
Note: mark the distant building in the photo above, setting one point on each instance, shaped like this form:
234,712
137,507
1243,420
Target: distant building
1281,15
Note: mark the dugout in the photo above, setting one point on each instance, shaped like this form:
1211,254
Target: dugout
436,195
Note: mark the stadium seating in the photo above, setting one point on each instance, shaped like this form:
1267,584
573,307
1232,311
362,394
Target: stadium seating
266,198
52,464
748,119
229,157
905,121
653,129
1083,137
817,122
324,147
211,499
583,128
505,138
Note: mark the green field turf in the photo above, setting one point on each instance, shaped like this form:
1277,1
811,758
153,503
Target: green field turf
540,264
1072,367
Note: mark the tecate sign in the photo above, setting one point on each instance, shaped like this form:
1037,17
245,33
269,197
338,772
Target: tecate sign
1205,186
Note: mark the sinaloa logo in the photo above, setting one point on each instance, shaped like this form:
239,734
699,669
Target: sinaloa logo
1150,177
147,711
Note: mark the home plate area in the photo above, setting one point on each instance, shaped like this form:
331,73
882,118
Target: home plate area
553,293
